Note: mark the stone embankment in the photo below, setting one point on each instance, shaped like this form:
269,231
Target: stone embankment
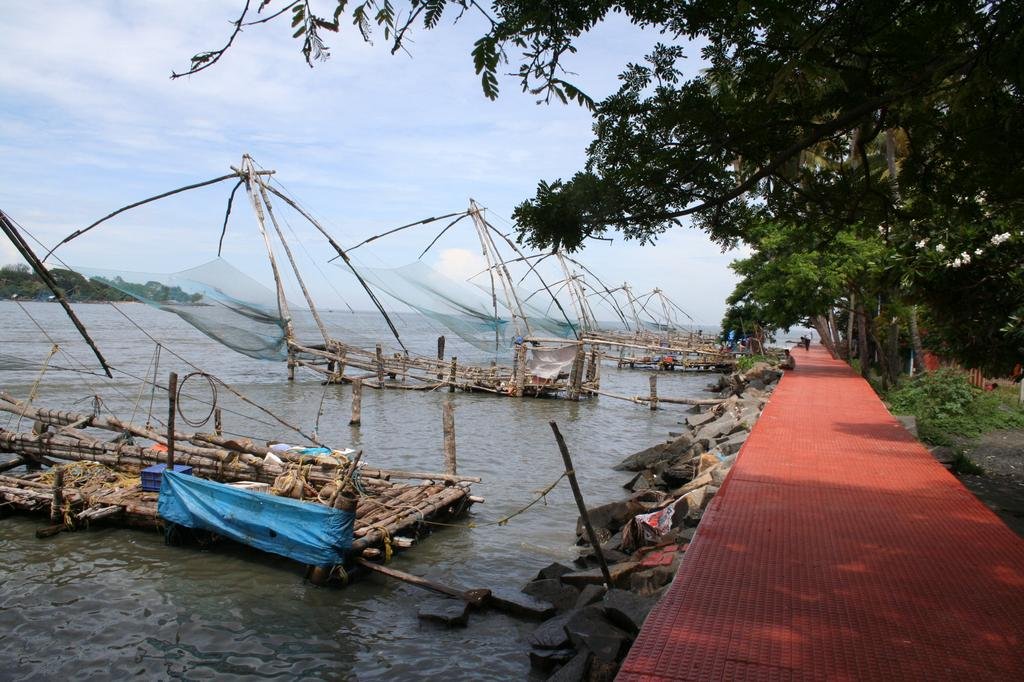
643,537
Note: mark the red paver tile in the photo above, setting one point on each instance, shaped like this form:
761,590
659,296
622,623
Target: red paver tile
838,549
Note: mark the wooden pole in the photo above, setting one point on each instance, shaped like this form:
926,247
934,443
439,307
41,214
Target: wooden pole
448,422
475,597
440,356
29,255
57,503
357,403
172,408
218,422
654,391
570,473
520,379
576,378
380,367
451,375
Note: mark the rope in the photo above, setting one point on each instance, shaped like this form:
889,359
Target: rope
34,393
152,390
503,521
71,357
222,383
213,401
386,539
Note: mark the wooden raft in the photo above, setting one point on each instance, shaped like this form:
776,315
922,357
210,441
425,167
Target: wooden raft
94,478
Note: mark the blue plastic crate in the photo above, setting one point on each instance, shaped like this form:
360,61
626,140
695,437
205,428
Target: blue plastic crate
151,475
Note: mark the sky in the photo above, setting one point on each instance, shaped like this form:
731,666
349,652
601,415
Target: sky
90,121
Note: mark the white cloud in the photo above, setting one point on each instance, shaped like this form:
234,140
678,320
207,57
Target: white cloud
459,264
367,140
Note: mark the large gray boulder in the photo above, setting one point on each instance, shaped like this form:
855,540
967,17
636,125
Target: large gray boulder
518,603
695,421
589,630
551,633
661,452
611,517
626,610
553,590
732,444
723,426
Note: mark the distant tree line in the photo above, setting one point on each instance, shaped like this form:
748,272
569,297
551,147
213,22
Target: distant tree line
20,283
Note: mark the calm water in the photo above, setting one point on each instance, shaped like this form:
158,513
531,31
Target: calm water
114,602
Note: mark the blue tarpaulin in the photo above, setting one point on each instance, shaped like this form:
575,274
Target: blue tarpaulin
308,533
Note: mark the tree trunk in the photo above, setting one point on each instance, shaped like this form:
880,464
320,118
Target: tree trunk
915,340
820,323
893,361
863,352
849,330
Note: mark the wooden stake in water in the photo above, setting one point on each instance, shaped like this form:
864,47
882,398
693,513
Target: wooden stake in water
218,423
357,403
172,408
570,473
440,356
380,367
448,422
654,391
57,501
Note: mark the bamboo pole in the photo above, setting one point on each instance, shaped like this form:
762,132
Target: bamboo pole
653,379
641,400
570,473
218,423
344,256
445,498
7,225
440,355
282,303
219,463
451,375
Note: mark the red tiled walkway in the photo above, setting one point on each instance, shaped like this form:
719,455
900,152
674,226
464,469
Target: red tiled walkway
839,549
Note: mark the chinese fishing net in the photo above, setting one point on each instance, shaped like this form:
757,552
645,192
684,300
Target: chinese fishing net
468,310
215,298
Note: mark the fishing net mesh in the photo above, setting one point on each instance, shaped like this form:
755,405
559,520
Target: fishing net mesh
215,298
468,310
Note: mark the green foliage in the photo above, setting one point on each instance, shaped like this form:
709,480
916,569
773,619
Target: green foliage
745,362
846,142
19,282
947,407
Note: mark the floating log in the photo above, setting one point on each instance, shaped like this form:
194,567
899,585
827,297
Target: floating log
475,597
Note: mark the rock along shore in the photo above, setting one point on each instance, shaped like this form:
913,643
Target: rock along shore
589,629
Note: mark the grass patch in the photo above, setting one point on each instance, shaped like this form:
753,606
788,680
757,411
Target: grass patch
745,362
947,407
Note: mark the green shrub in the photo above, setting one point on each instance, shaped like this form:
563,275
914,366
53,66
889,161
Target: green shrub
745,362
947,406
